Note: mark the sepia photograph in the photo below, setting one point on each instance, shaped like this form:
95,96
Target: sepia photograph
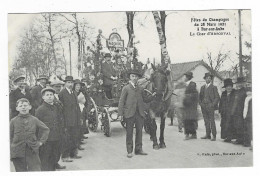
113,90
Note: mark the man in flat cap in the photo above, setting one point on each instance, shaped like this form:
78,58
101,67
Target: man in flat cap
36,91
50,115
20,92
208,100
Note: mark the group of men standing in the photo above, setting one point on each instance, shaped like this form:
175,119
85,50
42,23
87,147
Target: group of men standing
59,112
234,105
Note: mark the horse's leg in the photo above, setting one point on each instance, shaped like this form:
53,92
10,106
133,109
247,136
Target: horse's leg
153,129
162,126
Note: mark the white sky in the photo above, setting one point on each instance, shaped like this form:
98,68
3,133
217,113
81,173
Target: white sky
181,46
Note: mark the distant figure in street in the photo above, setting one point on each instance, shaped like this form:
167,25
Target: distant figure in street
208,100
18,93
36,91
24,143
190,105
51,115
237,110
109,75
71,119
225,106
131,107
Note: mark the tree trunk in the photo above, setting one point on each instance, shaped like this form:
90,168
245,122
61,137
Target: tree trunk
163,19
52,43
161,35
130,28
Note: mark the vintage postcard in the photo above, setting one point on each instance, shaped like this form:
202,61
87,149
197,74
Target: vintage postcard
130,90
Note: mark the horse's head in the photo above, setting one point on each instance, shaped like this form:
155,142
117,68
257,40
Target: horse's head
159,80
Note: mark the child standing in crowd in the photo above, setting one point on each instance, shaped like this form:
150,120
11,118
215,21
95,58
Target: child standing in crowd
50,114
24,143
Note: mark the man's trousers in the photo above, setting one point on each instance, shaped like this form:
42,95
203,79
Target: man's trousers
138,121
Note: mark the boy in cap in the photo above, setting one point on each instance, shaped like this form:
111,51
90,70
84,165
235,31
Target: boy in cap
208,100
57,86
24,143
18,93
51,115
131,107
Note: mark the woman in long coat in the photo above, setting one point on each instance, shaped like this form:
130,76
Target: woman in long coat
225,106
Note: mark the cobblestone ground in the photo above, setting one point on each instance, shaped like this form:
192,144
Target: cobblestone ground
103,152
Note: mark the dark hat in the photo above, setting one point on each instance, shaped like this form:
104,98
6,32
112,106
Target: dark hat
42,77
136,72
228,82
68,78
107,55
189,74
240,80
19,78
77,81
207,75
47,89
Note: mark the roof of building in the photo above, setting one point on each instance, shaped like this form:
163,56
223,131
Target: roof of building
179,69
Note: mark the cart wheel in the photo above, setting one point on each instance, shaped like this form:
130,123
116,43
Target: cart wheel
93,116
106,123
147,123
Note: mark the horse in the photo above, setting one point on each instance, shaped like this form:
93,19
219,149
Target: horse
156,80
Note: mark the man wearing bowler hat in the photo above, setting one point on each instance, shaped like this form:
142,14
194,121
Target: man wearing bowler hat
131,107
71,119
109,75
36,91
208,99
225,106
18,93
237,109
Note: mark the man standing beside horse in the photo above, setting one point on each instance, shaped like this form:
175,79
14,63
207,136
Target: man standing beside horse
131,106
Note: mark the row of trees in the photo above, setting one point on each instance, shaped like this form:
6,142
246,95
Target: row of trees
42,47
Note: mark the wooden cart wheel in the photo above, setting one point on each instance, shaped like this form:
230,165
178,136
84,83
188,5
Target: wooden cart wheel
93,116
106,122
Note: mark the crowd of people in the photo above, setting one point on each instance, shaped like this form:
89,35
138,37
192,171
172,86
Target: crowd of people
234,107
49,121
